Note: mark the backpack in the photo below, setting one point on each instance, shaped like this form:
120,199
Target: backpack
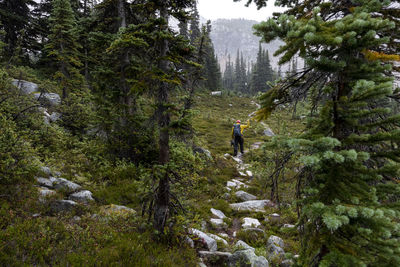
236,130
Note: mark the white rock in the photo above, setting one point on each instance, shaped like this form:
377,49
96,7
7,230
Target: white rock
230,105
219,239
228,188
55,116
242,245
250,223
84,196
242,173
46,170
249,173
25,86
218,213
205,239
238,160
248,257
63,205
244,196
216,93
64,184
269,132
275,240
44,193
224,235
215,256
231,184
189,242
226,155
239,183
286,225
274,217
44,182
252,205
256,145
52,98
217,222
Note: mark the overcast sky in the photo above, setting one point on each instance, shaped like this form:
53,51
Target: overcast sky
227,9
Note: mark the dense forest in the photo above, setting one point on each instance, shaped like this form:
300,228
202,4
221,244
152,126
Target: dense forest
116,126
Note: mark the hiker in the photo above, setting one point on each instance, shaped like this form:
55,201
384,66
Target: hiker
237,136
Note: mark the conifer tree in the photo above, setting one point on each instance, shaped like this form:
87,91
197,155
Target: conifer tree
63,46
350,156
229,75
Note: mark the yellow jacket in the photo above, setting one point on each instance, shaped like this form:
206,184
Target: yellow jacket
242,127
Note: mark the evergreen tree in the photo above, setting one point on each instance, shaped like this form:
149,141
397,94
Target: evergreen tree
262,72
349,204
194,30
229,75
63,46
211,66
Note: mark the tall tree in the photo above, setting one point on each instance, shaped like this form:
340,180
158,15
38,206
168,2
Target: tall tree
63,46
350,152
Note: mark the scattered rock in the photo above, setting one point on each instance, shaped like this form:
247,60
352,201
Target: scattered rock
117,210
25,86
228,189
76,218
242,173
274,217
238,160
268,132
226,155
46,170
217,238
84,196
204,239
215,258
230,105
218,213
52,99
275,240
224,235
252,205
236,184
274,252
249,173
244,196
227,196
62,205
217,222
189,241
35,215
55,116
256,145
44,182
250,222
286,225
64,184
44,192
244,258
216,93
242,245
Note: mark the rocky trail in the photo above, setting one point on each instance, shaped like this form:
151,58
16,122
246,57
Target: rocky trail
224,248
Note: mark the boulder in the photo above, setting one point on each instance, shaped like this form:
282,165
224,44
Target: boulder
64,184
55,116
219,214
62,205
242,245
117,210
52,99
268,132
189,241
245,196
250,223
25,86
216,93
275,240
252,205
275,252
204,239
46,170
217,238
84,196
217,222
274,218
44,182
215,258
247,258
286,225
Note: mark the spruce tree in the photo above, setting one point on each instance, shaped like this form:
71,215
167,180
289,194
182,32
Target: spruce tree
63,46
350,155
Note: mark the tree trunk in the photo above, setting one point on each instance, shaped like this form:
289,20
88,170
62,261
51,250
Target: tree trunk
161,208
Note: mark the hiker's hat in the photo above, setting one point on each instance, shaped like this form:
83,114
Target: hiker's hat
238,121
